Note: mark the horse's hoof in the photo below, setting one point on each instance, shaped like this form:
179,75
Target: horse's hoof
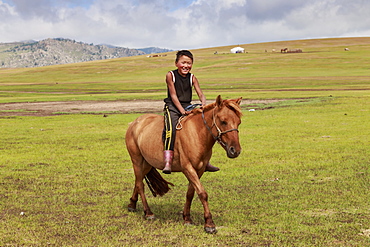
210,230
131,209
150,217
189,224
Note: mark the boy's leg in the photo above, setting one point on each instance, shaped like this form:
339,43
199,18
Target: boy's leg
170,135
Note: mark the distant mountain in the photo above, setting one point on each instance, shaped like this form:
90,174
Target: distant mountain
151,50
58,51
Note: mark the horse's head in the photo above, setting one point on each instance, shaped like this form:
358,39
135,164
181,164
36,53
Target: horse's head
226,120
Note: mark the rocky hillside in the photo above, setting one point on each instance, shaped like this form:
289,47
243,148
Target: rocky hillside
152,50
57,51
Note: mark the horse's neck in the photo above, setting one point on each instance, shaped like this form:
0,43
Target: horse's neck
205,126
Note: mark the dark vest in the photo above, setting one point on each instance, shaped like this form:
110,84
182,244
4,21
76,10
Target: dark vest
183,86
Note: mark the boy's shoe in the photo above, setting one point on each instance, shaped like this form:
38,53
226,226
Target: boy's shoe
168,157
211,168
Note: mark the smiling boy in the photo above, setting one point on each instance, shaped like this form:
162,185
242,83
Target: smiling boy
179,95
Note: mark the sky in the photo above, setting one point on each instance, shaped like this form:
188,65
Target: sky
182,24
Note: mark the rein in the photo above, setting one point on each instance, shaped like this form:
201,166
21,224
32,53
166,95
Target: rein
179,124
220,133
188,108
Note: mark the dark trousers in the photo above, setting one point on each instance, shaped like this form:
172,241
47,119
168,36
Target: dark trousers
171,116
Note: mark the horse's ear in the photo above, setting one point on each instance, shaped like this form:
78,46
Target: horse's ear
238,101
219,101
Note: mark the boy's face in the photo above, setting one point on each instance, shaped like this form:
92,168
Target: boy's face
184,65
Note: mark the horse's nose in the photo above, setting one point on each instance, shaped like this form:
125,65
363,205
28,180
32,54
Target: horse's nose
232,152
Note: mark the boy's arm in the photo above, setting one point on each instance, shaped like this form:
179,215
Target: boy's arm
201,96
172,90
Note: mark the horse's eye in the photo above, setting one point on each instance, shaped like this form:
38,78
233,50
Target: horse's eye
223,122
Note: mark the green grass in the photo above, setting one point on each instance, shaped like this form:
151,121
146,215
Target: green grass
302,178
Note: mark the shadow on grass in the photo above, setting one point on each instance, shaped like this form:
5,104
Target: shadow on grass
168,212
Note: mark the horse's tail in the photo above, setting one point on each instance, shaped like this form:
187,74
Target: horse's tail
156,183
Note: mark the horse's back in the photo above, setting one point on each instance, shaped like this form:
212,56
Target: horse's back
144,126
145,121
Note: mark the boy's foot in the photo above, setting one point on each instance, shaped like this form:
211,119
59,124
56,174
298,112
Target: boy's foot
211,168
167,170
168,156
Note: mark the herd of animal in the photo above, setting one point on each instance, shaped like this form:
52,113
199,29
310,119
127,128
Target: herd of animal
286,50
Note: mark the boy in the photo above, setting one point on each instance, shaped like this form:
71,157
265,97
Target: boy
179,96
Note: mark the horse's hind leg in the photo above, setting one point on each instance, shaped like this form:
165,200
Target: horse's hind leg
135,195
140,169
133,200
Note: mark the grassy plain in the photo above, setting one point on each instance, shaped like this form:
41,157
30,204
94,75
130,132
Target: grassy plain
301,180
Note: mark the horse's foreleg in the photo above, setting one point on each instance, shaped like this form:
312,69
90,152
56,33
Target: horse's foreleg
192,176
189,199
209,225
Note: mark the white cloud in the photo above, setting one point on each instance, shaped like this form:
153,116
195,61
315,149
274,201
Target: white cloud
182,24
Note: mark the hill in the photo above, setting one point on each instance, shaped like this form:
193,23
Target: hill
263,72
61,51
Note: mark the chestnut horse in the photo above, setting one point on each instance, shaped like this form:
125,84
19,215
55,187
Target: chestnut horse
199,131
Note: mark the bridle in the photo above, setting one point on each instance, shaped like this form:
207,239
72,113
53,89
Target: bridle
220,133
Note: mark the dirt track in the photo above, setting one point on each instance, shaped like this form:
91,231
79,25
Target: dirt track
54,108
59,107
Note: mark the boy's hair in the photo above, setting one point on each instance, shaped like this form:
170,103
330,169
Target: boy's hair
184,53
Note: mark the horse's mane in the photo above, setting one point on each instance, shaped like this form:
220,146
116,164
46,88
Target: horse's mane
231,104
206,108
